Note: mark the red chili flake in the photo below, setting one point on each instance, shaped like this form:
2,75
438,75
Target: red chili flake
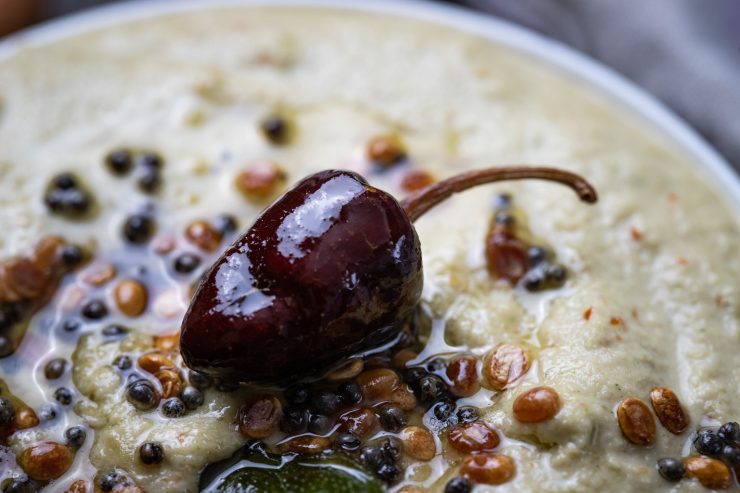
682,260
636,234
672,197
587,313
616,321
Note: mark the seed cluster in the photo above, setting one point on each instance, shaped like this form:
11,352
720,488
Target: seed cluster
164,384
346,409
147,166
66,196
149,379
207,236
406,403
42,461
27,282
387,153
502,368
509,257
158,380
719,450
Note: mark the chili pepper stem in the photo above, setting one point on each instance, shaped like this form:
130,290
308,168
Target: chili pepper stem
420,202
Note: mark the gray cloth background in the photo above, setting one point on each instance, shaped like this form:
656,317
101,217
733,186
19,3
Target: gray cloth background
685,52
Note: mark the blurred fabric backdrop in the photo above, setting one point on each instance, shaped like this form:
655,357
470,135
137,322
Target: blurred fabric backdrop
685,52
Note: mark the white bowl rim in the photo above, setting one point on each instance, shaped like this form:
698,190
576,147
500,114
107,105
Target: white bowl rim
546,50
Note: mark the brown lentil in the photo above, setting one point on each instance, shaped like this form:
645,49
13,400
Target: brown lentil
99,274
473,437
504,365
47,251
403,397
167,343
154,361
260,417
25,417
402,357
78,486
416,179
131,297
377,383
418,443
204,236
171,383
22,279
536,405
506,255
361,422
711,473
669,410
463,375
636,422
488,468
385,150
45,461
306,445
260,181
347,371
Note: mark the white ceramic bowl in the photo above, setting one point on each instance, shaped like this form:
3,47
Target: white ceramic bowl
539,47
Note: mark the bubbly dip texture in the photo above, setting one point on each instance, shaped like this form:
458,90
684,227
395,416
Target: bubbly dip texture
652,297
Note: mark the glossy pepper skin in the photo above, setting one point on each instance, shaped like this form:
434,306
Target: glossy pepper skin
332,267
